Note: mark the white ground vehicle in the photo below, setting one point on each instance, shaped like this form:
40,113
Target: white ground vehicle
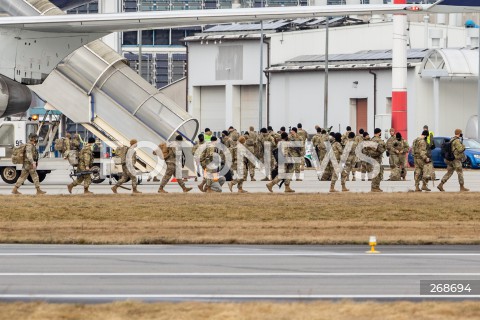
13,134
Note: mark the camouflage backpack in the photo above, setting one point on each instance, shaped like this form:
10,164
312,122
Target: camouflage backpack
60,145
121,154
18,156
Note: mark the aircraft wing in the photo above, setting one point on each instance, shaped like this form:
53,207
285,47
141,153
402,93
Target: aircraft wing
106,23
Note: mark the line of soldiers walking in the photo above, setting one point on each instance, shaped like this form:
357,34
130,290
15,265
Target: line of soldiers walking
331,149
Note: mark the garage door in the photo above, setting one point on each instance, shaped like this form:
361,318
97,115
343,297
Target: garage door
212,108
249,107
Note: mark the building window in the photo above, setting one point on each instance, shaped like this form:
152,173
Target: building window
162,37
147,37
130,38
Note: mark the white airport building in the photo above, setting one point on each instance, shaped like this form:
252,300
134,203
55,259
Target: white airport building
224,75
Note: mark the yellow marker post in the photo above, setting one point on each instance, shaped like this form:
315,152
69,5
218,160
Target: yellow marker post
372,243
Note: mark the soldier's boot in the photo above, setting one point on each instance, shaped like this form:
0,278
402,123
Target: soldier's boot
265,179
155,179
85,191
161,190
185,189
417,188
149,178
354,178
240,190
344,188
425,187
376,190
15,191
231,184
288,189
70,188
463,189
40,191
252,178
201,186
332,189
440,187
114,189
269,186
135,190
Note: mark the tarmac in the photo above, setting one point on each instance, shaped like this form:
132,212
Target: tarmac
217,272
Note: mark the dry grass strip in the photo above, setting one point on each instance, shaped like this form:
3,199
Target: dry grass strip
396,218
343,310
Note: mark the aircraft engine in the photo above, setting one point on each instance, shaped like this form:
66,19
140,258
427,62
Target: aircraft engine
14,97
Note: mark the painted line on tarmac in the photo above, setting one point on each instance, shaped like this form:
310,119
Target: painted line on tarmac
237,274
230,296
149,254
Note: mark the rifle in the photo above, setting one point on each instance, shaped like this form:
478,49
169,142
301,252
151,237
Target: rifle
82,173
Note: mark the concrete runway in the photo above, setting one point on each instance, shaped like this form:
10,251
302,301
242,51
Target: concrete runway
56,182
213,273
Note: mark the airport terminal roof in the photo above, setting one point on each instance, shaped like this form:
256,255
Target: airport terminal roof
367,59
434,62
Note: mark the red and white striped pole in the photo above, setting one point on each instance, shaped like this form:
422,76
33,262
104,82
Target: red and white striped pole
399,73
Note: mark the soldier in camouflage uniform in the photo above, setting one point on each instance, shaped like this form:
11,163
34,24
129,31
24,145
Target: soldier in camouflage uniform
239,167
285,152
377,155
351,159
226,139
345,136
29,166
234,135
428,170
365,167
296,151
196,158
337,150
251,144
420,158
458,150
303,135
85,163
327,174
344,143
66,145
211,167
390,151
316,140
398,154
127,169
171,160
264,139
75,143
357,165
